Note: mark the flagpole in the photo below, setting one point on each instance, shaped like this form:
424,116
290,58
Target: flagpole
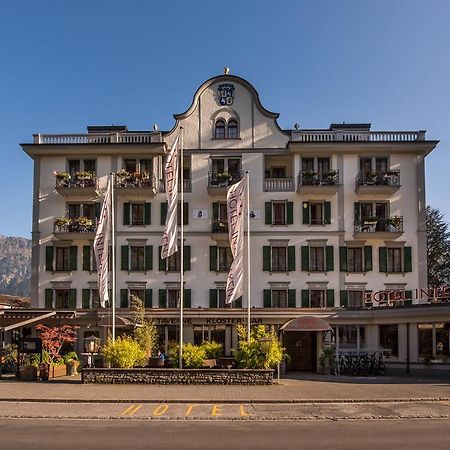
182,247
247,174
113,238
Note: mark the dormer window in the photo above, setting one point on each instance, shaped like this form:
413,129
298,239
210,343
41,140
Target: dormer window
219,132
232,129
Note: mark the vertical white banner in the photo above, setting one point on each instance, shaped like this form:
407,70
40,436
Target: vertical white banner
101,246
236,214
169,242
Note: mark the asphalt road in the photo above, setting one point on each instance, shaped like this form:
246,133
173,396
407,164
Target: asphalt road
100,434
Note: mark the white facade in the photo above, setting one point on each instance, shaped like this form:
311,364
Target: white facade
279,163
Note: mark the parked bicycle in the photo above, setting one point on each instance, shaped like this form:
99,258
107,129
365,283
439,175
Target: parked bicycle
361,364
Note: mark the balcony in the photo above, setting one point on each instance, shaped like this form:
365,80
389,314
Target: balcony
336,135
134,182
77,228
219,229
377,182
278,184
376,228
82,183
311,182
218,183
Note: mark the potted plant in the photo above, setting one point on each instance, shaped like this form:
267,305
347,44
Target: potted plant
84,221
309,176
61,175
369,223
223,178
394,222
370,178
84,175
72,363
330,177
327,360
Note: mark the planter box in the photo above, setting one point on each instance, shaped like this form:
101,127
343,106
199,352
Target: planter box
178,376
28,373
59,370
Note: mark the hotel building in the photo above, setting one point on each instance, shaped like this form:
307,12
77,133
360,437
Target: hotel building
336,215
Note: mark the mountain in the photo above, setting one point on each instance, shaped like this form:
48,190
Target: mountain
15,266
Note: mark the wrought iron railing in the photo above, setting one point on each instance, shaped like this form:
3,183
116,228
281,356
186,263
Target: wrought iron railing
135,180
219,226
313,178
75,181
82,225
387,178
223,179
372,225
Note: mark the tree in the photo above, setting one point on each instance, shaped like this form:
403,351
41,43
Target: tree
145,332
53,338
438,248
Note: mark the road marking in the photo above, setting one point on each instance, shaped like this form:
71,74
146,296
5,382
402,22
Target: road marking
160,410
243,412
131,410
189,410
216,410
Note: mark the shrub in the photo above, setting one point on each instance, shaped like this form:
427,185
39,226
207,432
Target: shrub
213,349
263,351
70,357
124,353
193,356
145,332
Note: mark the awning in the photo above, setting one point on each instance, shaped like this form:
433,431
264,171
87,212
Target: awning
306,323
106,321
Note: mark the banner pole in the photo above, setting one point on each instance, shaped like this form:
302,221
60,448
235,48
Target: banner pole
247,174
113,238
182,247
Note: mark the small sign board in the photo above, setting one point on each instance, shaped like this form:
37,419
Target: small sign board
30,345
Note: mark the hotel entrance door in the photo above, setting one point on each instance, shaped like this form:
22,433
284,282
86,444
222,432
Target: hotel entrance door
301,347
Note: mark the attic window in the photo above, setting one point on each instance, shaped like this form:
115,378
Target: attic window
219,131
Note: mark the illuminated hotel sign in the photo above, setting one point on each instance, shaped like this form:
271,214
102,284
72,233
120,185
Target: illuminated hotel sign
389,297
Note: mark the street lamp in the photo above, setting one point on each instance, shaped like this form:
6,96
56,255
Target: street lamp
91,347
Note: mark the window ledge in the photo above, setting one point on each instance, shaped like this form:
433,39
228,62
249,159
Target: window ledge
226,139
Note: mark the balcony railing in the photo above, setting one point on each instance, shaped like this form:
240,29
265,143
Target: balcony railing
388,178
356,136
313,178
98,138
80,225
223,179
64,180
384,225
278,184
135,180
219,226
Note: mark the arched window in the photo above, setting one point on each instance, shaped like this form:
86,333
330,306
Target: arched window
219,131
232,129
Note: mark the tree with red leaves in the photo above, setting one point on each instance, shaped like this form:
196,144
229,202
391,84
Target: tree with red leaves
53,338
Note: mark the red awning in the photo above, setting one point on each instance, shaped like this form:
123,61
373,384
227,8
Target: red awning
306,323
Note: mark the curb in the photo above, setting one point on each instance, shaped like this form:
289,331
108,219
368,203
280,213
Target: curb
226,401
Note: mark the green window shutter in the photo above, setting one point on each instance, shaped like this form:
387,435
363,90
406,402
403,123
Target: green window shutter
187,258
187,298
305,258
367,258
291,298
343,259
124,257
329,254
73,257
268,213
266,258
185,213
124,298
357,211
213,250
267,298
126,213
408,297
305,209
148,298
97,210
238,302
215,210
330,298
162,262
162,298
407,259
163,213
344,299
147,213
149,257
87,257
72,299
49,258
305,298
291,258
327,212
213,298
85,297
110,261
290,213
49,298
382,253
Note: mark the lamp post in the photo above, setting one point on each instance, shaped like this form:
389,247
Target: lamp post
91,347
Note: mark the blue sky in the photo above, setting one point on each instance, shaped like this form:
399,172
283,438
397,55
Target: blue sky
65,65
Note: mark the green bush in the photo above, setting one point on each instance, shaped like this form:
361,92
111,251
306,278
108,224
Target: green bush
213,350
263,351
145,332
124,353
69,357
193,356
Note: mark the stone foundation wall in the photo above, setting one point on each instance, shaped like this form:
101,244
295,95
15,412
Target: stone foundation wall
178,376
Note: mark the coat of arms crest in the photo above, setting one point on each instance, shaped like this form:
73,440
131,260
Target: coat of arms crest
226,94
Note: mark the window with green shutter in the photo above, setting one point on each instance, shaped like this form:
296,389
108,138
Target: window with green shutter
97,210
85,298
213,258
49,298
73,257
148,257
343,259
124,298
330,298
305,298
290,212
382,254
213,298
407,259
291,258
305,213
49,258
267,263
237,303
367,258
267,298
72,298
162,300
163,213
305,258
124,257
185,213
148,302
187,298
87,258
268,213
126,213
291,298
344,299
147,213
329,255
327,213
187,258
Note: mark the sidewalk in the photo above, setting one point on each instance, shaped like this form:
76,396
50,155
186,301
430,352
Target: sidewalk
298,388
